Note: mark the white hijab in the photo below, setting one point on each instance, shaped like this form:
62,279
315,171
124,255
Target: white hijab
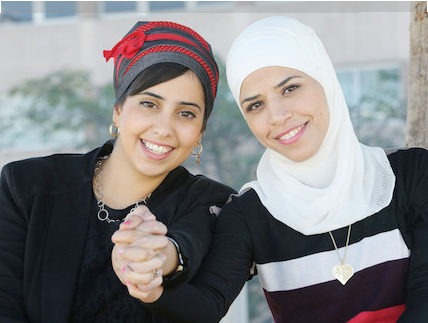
345,181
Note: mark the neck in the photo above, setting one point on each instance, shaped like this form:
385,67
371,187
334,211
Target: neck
123,186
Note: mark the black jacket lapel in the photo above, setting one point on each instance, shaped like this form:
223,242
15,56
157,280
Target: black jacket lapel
63,252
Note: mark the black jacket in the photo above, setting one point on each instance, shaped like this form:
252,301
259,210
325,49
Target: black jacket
45,205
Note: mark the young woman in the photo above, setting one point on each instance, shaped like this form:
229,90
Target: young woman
337,231
58,213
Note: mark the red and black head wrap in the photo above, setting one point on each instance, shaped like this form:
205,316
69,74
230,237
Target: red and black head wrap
149,43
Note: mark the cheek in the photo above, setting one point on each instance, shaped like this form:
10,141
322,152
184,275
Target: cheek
189,136
324,121
325,115
258,128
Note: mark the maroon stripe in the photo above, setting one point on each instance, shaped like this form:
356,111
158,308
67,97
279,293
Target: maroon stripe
371,289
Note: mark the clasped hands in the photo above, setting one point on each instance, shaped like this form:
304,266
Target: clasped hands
142,254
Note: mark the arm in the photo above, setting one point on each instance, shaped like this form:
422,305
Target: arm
13,231
196,208
417,284
189,212
207,297
417,226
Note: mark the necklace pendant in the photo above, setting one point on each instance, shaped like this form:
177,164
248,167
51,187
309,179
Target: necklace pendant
343,273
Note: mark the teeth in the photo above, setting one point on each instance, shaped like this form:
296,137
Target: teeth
155,149
292,133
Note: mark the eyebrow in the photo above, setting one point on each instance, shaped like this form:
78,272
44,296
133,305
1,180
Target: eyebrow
251,98
286,81
153,95
190,103
283,82
163,99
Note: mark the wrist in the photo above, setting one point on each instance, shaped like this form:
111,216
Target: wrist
180,262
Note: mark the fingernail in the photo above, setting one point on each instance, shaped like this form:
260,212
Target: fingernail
123,269
112,240
128,283
126,222
121,252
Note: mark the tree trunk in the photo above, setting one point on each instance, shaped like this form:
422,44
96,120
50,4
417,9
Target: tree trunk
417,103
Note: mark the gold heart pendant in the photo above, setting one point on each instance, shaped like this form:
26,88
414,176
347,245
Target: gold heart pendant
343,273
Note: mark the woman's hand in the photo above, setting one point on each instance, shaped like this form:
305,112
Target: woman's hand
142,253
138,271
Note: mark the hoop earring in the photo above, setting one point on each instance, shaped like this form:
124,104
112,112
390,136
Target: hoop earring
111,129
198,153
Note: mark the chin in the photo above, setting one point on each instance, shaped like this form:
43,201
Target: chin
296,157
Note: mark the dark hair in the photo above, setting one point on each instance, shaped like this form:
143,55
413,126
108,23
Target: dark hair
157,74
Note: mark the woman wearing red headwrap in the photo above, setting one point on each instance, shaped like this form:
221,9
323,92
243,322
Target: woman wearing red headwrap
58,213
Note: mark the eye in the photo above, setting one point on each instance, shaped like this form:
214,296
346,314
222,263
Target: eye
290,89
148,104
187,114
254,106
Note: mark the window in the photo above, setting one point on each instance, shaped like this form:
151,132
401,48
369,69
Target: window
16,11
119,6
58,9
166,5
212,3
36,11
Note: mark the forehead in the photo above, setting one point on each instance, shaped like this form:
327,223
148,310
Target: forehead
183,81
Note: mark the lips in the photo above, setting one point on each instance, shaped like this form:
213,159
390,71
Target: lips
292,133
156,148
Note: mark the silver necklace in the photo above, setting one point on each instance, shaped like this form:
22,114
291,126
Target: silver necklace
342,272
103,214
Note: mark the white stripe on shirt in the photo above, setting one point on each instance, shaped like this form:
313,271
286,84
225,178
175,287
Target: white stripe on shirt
317,268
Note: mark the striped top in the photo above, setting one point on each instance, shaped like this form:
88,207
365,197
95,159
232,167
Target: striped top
388,251
303,289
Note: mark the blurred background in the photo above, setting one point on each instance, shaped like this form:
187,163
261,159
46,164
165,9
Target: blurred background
56,93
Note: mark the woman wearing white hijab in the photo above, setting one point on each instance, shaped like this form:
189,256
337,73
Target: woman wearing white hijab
337,231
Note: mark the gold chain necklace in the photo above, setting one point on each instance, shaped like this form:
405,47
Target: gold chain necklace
342,272
100,195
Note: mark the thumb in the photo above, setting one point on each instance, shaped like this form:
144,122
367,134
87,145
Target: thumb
136,217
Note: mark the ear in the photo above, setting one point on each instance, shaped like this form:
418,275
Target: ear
116,114
199,138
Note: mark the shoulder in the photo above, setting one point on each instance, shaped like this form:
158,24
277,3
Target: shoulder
404,151
197,187
411,172
408,158
186,179
243,201
50,173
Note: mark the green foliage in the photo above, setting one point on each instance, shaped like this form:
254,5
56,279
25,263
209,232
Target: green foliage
380,98
64,102
380,113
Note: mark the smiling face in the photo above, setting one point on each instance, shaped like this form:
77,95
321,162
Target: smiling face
160,126
286,110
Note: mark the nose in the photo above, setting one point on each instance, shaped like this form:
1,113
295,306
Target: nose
279,113
163,125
